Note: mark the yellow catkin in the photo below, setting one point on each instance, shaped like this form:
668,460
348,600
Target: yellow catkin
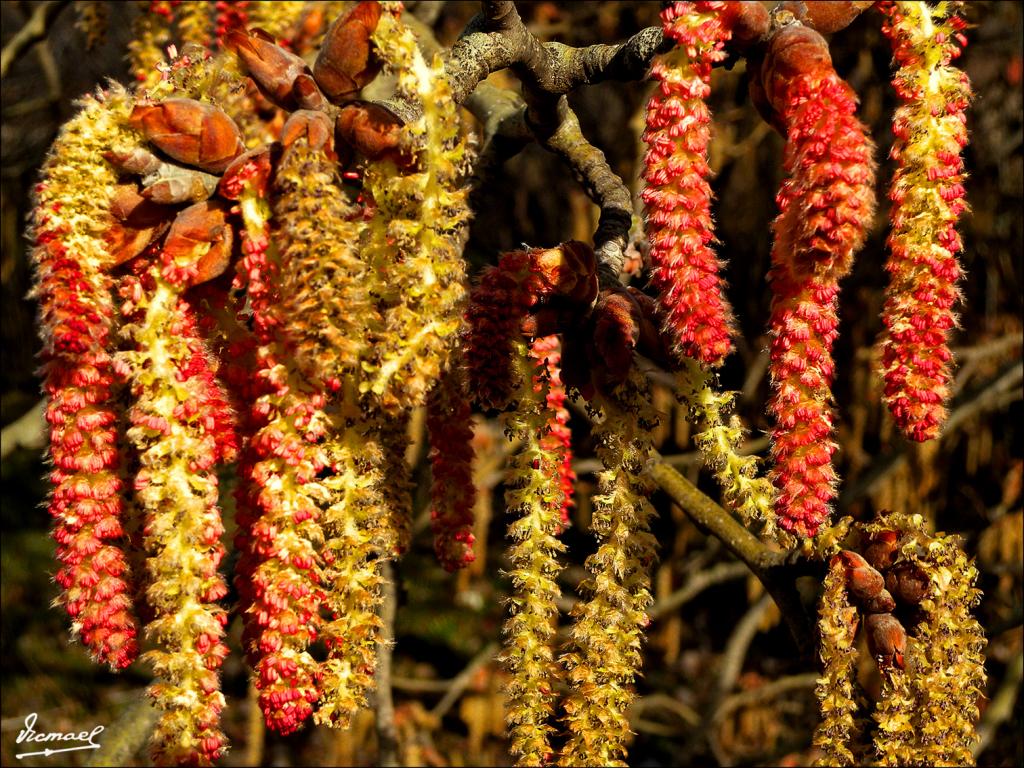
837,628
608,630
359,536
952,677
895,737
279,18
323,284
753,497
534,495
414,242
946,662
151,33
177,489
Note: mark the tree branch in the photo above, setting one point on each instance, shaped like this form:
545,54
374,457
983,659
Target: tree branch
34,30
775,570
461,682
387,733
497,38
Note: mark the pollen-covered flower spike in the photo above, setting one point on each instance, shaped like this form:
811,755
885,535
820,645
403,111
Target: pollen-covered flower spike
685,270
534,493
414,240
837,628
358,536
181,427
825,205
927,196
452,492
279,578
77,318
324,291
719,441
605,653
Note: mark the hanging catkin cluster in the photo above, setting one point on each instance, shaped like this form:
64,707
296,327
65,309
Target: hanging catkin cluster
932,667
608,627
243,262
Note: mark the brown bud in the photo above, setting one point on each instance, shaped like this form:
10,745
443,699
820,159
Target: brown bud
346,62
881,549
252,169
190,131
880,603
908,583
372,131
138,160
173,184
887,639
201,233
568,271
138,222
275,70
749,22
826,16
792,51
863,581
615,332
130,207
312,125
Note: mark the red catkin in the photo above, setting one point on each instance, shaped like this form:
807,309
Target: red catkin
684,268
927,194
825,205
81,381
279,574
557,438
452,492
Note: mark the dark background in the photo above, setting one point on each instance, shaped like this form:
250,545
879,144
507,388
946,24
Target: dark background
968,482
